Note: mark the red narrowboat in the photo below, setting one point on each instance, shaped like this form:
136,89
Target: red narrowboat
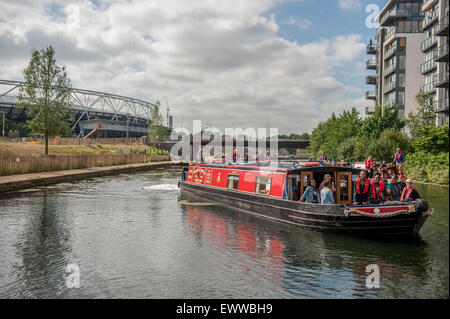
274,192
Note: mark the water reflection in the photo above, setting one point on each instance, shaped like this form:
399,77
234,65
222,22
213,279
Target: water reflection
43,249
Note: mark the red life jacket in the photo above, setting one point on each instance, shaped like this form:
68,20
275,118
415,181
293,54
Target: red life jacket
398,156
380,188
366,186
403,198
369,164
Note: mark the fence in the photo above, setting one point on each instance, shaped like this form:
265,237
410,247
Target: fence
78,141
11,164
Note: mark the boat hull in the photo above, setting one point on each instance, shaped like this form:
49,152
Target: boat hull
325,218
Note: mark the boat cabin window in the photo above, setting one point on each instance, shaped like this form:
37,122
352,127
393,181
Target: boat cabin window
233,181
262,185
344,190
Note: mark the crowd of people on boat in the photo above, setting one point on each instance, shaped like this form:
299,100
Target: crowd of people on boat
379,183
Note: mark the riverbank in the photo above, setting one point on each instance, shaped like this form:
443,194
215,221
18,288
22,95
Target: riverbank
22,181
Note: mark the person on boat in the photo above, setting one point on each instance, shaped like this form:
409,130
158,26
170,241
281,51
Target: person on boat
362,191
311,194
327,178
409,192
377,188
399,158
369,164
200,158
393,189
235,156
326,195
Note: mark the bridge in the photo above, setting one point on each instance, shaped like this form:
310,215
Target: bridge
119,115
282,143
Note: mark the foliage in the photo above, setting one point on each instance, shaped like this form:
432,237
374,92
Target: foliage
380,120
21,128
45,94
384,147
329,134
424,116
293,136
432,139
156,128
426,167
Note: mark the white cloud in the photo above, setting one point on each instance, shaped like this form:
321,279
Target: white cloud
349,4
219,61
303,24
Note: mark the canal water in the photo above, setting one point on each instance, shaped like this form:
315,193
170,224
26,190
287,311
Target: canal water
132,236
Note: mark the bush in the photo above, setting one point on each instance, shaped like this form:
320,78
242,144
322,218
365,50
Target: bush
432,139
426,167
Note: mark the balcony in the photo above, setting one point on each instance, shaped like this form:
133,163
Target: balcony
370,110
441,79
371,64
370,95
401,29
428,88
389,87
371,79
428,66
390,52
390,69
443,27
428,43
391,16
442,105
442,53
427,4
371,49
429,19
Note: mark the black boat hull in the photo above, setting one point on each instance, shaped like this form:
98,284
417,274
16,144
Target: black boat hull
325,218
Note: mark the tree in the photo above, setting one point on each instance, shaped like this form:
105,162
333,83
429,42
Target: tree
380,120
327,135
45,95
156,128
424,116
432,139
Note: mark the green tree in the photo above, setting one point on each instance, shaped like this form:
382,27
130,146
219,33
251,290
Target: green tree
45,95
156,129
424,116
432,139
384,146
381,120
327,135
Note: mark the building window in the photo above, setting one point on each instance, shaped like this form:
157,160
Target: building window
262,185
232,181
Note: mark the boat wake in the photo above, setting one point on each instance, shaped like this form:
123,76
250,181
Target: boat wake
161,187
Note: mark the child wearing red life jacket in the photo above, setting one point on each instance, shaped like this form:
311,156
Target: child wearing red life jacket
362,189
377,189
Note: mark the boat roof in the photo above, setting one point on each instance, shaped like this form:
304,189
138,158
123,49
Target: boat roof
291,166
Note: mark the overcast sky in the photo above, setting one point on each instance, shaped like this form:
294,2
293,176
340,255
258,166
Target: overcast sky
233,63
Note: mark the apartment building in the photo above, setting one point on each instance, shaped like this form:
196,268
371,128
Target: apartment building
397,56
435,68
